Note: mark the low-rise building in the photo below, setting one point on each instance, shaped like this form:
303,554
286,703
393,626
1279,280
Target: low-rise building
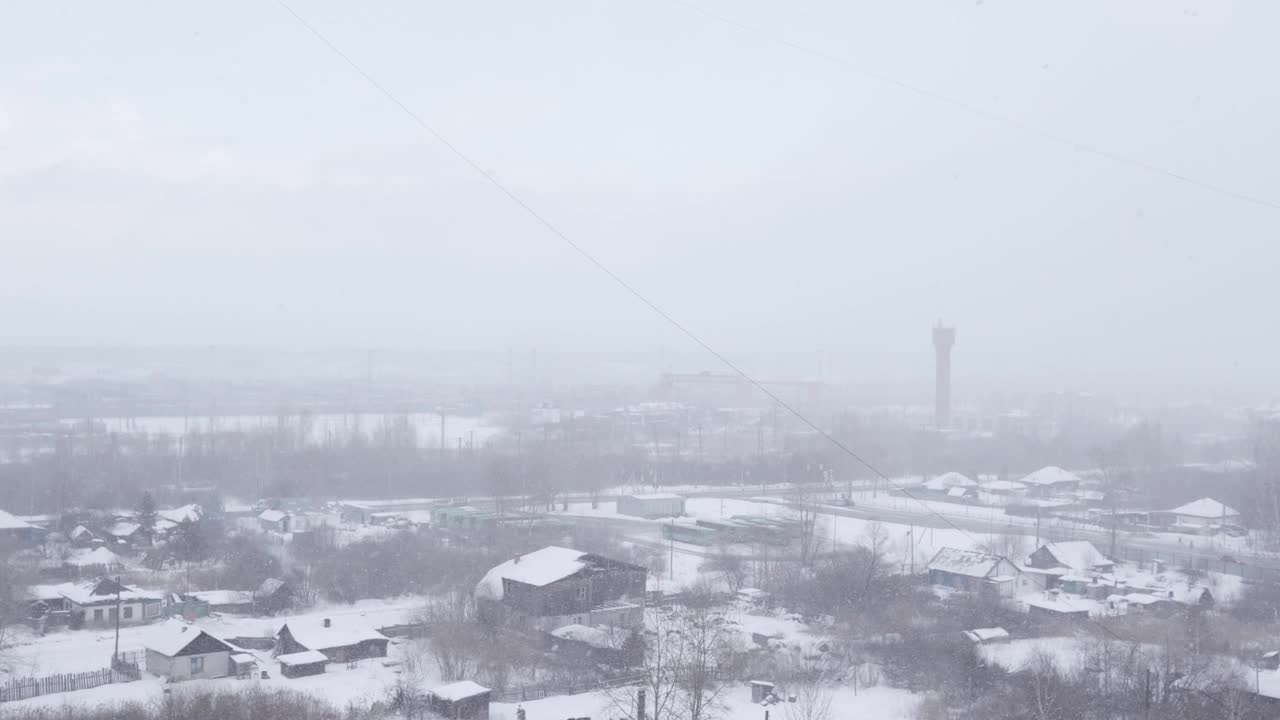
1051,480
557,586
345,640
302,664
1077,557
651,505
1198,516
974,571
16,532
179,651
274,521
462,700
95,603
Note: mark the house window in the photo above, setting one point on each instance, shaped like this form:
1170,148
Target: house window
197,664
582,592
151,610
128,612
97,615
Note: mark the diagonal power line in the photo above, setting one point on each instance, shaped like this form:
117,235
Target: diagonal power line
630,289
969,108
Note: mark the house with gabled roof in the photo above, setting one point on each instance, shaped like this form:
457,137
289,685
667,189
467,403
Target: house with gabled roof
555,586
974,571
343,640
179,651
1078,557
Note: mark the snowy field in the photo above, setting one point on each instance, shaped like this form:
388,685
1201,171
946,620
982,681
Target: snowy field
902,542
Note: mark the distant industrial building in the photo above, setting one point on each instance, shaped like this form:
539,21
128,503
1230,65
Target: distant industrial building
943,339
653,505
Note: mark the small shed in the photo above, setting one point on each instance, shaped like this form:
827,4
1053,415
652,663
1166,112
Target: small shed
243,665
274,521
302,664
462,700
761,690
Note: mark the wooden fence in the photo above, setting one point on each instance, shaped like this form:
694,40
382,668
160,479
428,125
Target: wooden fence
69,682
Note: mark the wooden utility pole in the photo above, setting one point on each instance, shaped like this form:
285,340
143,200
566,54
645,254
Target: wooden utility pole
115,655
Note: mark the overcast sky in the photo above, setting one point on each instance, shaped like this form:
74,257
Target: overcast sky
210,173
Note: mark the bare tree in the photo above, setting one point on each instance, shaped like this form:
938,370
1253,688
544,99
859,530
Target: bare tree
730,567
706,642
456,641
805,514
686,657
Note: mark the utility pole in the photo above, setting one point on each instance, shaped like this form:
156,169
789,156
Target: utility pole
671,562
115,655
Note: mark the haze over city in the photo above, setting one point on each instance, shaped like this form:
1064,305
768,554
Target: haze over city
669,360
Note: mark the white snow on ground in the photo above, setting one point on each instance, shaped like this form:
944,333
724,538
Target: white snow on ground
848,531
1018,654
877,703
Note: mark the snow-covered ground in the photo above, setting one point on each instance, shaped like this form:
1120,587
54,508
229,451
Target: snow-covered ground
903,542
876,703
1016,655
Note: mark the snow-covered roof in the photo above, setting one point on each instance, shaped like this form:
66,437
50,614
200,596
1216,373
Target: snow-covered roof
171,637
187,513
305,657
1136,598
1077,555
957,492
79,531
597,637
1003,486
83,593
224,597
971,563
9,522
1059,604
538,568
657,496
271,515
986,634
460,690
242,658
949,480
89,558
343,631
1051,475
123,528
1205,508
